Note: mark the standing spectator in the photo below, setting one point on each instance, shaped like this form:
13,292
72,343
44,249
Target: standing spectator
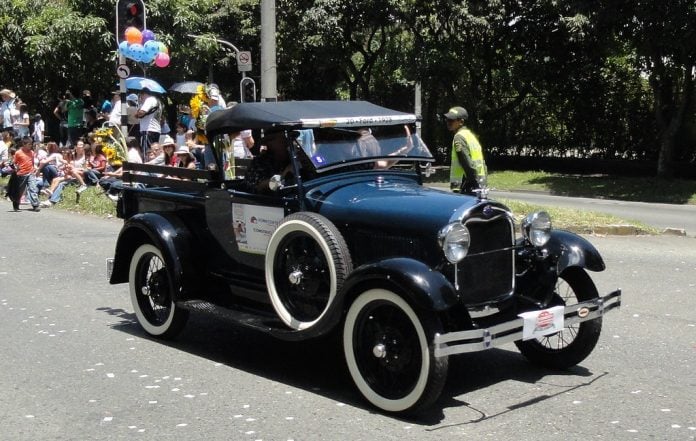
467,167
61,114
115,114
180,134
76,109
133,122
20,119
5,144
8,105
149,114
38,128
25,177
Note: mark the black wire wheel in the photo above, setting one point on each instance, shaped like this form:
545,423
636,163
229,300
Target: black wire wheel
572,344
151,291
389,352
307,261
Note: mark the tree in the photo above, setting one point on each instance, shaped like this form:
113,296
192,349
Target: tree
662,35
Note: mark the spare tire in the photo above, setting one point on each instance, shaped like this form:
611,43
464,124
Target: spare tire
307,262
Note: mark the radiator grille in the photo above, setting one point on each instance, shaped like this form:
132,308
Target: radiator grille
487,273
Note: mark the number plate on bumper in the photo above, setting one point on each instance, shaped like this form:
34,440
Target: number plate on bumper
540,323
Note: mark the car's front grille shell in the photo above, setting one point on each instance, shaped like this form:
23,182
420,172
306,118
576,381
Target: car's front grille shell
487,273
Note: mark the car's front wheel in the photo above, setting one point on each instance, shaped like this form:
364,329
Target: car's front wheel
151,291
388,350
575,342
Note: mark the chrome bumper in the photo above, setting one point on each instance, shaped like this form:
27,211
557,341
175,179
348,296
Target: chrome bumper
481,339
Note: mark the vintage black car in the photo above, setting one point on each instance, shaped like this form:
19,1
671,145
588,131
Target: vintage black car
350,241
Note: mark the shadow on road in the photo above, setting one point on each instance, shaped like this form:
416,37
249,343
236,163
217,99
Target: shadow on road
317,366
619,188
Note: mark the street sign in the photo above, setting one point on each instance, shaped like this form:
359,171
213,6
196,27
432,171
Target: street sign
243,61
122,71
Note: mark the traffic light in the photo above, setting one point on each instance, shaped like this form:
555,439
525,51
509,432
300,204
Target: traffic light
129,13
248,90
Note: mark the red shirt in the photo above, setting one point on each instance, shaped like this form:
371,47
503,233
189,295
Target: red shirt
24,162
98,163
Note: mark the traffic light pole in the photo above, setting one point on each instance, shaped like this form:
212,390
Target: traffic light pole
223,42
126,10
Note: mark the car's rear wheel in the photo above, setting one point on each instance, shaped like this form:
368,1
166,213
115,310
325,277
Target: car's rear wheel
307,261
575,342
151,291
388,350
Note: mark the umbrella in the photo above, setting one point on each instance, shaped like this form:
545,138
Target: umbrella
186,87
140,83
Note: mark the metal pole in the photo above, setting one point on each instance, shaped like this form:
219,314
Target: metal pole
418,107
223,42
269,89
124,103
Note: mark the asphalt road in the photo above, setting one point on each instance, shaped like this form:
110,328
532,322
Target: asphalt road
76,366
660,216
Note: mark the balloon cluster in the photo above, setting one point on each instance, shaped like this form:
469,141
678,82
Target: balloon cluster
143,48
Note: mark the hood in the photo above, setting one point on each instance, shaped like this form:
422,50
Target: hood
390,201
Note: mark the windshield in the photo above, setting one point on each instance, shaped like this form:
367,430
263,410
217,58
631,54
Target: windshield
329,148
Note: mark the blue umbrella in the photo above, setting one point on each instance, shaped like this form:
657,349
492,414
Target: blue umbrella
140,83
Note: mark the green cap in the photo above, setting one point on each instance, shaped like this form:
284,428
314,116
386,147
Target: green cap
457,112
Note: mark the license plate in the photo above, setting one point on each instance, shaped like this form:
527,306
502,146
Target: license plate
544,322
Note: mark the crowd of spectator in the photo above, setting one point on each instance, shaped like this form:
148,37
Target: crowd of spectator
40,166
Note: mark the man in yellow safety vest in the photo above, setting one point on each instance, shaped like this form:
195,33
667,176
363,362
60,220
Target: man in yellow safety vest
467,168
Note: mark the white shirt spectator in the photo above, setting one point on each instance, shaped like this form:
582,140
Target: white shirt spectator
115,115
38,133
150,122
240,144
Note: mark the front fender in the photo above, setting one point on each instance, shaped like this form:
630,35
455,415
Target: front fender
168,234
572,250
426,288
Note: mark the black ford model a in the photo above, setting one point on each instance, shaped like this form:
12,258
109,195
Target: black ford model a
351,241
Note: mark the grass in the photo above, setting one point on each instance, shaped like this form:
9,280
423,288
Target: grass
94,202
676,191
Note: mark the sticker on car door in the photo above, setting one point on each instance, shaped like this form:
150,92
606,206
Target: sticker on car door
253,226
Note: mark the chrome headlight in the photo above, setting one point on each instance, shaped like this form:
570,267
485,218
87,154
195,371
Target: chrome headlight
454,240
536,228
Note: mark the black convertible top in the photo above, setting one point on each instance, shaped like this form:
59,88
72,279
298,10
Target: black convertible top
303,115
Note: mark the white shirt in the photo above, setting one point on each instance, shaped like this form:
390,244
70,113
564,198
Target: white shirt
6,108
38,131
4,152
134,156
239,143
115,115
150,123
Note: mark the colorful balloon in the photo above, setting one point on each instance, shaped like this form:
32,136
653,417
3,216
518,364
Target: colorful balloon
163,48
133,35
123,47
151,48
162,60
148,35
137,52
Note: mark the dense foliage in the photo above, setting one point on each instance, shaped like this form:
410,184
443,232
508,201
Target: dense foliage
611,79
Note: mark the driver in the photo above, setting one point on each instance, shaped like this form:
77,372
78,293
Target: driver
273,159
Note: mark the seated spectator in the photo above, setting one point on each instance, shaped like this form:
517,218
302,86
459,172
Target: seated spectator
112,181
185,158
166,154
96,166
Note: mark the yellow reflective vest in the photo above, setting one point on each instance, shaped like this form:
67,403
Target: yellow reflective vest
457,173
